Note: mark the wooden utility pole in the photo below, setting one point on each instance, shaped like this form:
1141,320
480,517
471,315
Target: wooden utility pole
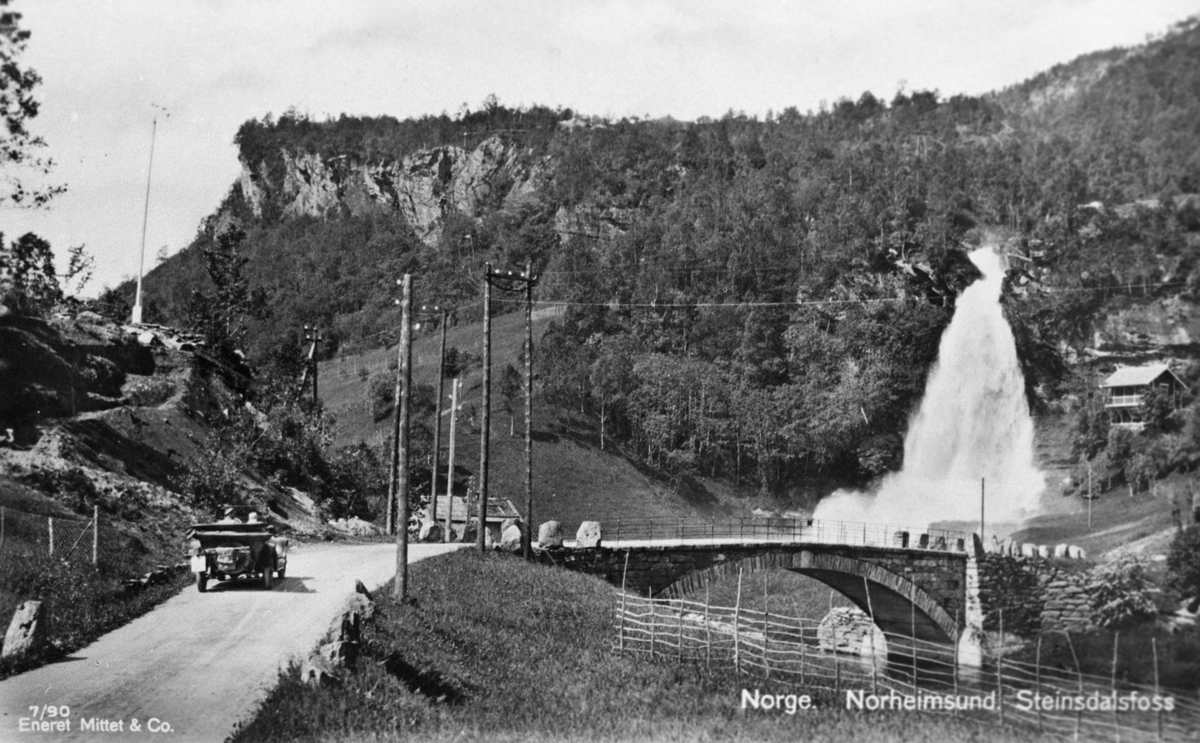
527,532
437,427
403,396
95,535
450,466
312,336
395,464
507,279
982,482
486,432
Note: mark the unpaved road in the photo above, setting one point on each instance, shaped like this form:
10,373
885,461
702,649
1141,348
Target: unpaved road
199,663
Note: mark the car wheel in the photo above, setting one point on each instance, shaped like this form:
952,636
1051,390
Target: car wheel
201,582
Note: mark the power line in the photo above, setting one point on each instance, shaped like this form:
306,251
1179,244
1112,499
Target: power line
613,304
616,304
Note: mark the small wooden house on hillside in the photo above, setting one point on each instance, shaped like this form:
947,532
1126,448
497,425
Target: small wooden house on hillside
1126,388
499,511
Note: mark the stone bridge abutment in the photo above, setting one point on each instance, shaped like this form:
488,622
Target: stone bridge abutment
917,593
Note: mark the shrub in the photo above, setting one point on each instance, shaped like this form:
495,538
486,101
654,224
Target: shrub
1183,562
1122,594
214,478
71,486
381,396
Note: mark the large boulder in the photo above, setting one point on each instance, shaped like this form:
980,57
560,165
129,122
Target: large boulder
27,631
318,671
510,539
846,629
340,654
469,532
550,535
588,535
356,526
510,522
431,531
360,608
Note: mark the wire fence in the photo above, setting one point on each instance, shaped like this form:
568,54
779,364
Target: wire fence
27,534
904,672
626,532
28,537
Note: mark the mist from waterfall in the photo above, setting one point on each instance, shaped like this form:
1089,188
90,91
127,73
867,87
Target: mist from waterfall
973,424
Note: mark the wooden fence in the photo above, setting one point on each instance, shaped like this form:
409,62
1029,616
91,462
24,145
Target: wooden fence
1055,702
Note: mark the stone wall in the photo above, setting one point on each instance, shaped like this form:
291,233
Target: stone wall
888,582
1034,594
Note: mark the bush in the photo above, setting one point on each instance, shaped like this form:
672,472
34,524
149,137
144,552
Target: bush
214,478
458,362
70,486
1183,562
381,395
1122,594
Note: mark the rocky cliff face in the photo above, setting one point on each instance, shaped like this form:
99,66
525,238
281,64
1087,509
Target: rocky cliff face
1156,325
425,186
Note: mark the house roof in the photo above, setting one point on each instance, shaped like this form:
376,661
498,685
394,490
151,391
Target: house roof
499,509
1135,376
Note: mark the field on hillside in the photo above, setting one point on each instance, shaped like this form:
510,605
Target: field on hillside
491,648
574,480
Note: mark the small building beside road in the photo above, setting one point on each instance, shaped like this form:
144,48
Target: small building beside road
461,513
1125,391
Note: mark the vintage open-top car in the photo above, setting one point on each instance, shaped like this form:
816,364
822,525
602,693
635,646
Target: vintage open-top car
238,546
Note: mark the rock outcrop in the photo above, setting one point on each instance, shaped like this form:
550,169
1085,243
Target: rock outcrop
424,186
431,531
27,631
846,629
588,535
550,535
510,539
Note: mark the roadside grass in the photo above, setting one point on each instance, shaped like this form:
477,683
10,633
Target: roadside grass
490,647
80,602
1117,519
1178,655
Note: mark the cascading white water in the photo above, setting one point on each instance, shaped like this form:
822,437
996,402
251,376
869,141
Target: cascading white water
973,424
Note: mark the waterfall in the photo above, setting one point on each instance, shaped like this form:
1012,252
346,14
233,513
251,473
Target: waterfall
973,424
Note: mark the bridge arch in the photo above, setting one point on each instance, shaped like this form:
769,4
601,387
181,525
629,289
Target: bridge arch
899,607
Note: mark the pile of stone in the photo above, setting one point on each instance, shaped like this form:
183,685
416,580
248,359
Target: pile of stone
1028,549
550,536
328,664
161,574
848,629
356,526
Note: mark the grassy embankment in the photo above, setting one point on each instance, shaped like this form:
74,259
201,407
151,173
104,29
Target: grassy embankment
81,601
574,480
491,648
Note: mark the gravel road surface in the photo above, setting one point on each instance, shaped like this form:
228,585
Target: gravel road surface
199,663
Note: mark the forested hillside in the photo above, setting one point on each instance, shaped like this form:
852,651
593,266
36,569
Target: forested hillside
748,298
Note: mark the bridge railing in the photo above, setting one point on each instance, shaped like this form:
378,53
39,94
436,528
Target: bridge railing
810,531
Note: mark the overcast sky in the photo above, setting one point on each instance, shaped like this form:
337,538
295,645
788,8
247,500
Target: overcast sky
216,63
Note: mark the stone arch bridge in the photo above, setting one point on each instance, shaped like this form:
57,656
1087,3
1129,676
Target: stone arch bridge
920,590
